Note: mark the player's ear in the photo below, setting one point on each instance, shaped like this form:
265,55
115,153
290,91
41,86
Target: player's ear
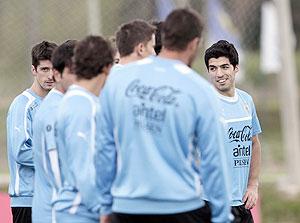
57,75
106,69
237,68
140,49
33,70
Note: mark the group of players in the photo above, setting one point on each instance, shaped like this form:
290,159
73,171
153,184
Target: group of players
144,140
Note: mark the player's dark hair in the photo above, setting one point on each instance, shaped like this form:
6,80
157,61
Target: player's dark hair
62,56
181,27
158,42
222,48
113,44
91,55
131,34
42,51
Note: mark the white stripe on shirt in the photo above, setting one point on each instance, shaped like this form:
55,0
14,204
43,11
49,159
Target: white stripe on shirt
53,155
44,155
30,100
237,119
17,180
75,204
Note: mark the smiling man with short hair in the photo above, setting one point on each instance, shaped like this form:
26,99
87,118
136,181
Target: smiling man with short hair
241,128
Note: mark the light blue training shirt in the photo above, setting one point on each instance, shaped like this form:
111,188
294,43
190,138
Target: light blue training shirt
47,176
157,115
77,128
19,147
240,124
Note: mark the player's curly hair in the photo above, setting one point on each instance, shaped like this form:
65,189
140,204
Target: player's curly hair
91,55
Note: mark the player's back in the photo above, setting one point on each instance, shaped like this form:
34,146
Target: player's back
157,105
44,144
76,134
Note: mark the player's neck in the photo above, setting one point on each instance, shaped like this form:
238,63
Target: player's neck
60,88
129,59
230,93
38,90
93,85
175,55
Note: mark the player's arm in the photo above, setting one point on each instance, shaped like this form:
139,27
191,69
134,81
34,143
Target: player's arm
105,158
21,138
251,195
54,165
105,219
51,145
213,163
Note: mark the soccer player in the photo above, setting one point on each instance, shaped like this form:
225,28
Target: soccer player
19,132
77,132
47,176
241,127
157,114
135,40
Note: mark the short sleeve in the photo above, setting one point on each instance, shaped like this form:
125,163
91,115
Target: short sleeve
256,129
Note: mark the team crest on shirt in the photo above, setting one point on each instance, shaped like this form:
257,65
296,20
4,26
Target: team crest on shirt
48,128
246,107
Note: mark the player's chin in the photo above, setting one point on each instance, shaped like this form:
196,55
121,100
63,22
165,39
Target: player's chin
48,86
222,87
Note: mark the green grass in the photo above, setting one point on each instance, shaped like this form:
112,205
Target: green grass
277,208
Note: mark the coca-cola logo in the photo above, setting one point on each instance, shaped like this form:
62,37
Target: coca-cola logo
240,135
165,94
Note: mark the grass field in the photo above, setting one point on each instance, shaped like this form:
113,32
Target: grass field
277,207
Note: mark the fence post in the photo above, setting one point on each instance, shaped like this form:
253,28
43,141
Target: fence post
289,101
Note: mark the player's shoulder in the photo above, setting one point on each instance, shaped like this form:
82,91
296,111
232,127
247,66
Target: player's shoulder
123,73
245,95
22,98
198,82
52,99
130,67
179,70
77,100
25,101
116,67
49,107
